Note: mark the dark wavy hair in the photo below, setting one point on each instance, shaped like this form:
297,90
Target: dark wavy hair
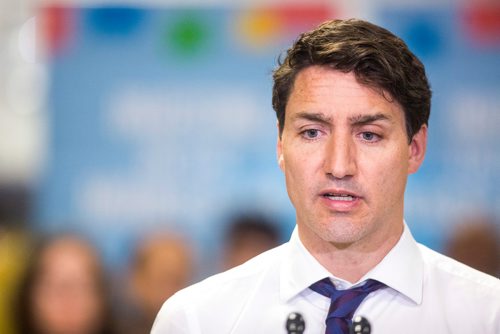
378,59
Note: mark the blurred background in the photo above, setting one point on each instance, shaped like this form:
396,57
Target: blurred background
144,130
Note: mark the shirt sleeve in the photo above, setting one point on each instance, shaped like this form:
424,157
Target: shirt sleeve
173,319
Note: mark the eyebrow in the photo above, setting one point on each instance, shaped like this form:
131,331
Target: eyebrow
358,120
314,117
368,119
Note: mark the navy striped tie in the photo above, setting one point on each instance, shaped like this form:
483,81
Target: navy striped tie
343,303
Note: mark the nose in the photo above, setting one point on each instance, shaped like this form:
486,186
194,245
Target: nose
340,157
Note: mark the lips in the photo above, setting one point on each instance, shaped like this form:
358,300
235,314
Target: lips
340,200
339,195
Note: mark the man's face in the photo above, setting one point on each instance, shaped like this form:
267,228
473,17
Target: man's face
346,157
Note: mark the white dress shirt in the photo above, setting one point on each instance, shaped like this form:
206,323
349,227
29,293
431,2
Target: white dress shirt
427,293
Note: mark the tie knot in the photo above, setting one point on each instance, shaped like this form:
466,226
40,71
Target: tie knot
327,289
343,302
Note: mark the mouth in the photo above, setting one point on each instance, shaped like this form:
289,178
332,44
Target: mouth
340,201
342,196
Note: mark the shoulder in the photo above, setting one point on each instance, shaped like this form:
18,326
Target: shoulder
461,292
238,278
446,267
224,295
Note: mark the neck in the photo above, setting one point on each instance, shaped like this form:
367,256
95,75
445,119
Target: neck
351,261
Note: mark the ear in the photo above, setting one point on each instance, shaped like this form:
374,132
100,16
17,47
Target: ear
279,151
417,150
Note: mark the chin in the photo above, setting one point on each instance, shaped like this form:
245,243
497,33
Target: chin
342,231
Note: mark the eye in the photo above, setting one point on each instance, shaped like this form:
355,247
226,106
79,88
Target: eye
370,136
311,133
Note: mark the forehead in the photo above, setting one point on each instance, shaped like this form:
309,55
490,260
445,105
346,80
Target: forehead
325,90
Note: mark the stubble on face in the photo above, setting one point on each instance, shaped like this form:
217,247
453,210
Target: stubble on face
338,159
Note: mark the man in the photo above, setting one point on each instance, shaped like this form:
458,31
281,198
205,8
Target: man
352,104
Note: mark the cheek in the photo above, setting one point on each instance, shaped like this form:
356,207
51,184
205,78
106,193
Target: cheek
389,176
298,173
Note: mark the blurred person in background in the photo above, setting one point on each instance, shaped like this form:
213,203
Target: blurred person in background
13,253
476,242
15,204
64,290
248,236
161,265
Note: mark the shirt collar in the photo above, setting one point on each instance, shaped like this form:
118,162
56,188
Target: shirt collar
401,269
299,269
